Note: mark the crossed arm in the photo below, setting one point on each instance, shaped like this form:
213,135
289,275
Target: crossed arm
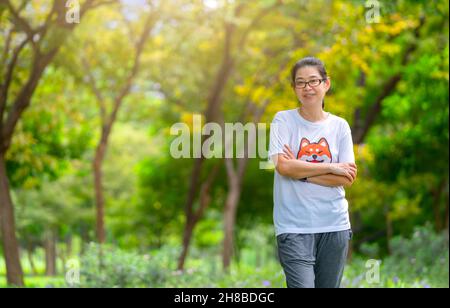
330,180
321,174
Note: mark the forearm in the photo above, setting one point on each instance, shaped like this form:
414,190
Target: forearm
330,180
298,169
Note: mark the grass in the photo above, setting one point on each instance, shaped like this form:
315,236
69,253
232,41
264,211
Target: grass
421,261
38,282
201,273
35,281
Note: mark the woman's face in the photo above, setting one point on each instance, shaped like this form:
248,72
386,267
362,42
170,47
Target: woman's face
310,95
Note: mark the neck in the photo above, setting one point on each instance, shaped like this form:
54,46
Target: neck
313,114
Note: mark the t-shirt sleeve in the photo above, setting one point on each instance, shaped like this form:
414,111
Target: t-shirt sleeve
346,154
279,135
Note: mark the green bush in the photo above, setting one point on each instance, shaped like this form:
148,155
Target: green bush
425,248
421,261
120,269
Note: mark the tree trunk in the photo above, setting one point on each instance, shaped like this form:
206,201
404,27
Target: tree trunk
84,239
230,220
437,193
446,209
193,218
98,184
211,114
40,61
14,273
30,258
235,182
215,101
69,245
63,257
188,231
389,232
50,253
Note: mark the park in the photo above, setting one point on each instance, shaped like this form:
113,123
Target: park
135,137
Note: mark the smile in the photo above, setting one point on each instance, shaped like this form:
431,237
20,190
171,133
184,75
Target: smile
314,161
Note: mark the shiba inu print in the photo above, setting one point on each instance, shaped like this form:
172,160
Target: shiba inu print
315,152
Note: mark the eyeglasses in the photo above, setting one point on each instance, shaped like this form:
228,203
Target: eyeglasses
312,83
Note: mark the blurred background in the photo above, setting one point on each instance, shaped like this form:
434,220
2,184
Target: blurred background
91,197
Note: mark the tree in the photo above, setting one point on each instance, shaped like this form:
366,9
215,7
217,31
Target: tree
373,69
234,41
111,82
31,41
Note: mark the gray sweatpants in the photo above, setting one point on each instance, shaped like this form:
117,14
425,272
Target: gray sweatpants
313,260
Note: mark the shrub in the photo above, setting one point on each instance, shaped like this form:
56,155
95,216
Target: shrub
421,261
120,269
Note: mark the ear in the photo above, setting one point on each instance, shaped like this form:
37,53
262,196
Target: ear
323,142
327,84
305,142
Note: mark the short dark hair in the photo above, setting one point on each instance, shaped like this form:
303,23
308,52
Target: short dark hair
309,61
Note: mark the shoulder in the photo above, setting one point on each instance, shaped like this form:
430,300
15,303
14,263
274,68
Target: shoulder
340,123
284,115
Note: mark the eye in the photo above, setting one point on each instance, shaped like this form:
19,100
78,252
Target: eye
319,152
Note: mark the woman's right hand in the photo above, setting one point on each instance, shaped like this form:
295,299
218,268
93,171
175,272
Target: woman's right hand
348,170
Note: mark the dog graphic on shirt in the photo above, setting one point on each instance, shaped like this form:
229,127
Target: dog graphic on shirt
315,152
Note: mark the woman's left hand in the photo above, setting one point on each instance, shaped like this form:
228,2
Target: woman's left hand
288,154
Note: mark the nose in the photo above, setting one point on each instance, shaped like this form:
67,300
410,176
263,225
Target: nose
307,86
314,156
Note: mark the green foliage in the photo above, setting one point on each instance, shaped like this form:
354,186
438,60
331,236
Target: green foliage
209,231
424,249
420,261
129,145
120,269
50,134
401,162
417,136
160,210
413,264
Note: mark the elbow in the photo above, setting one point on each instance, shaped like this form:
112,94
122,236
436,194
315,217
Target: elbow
282,168
348,183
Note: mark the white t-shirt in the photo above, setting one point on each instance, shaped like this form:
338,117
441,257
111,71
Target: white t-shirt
302,207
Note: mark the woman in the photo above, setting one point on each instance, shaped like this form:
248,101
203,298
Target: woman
313,154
